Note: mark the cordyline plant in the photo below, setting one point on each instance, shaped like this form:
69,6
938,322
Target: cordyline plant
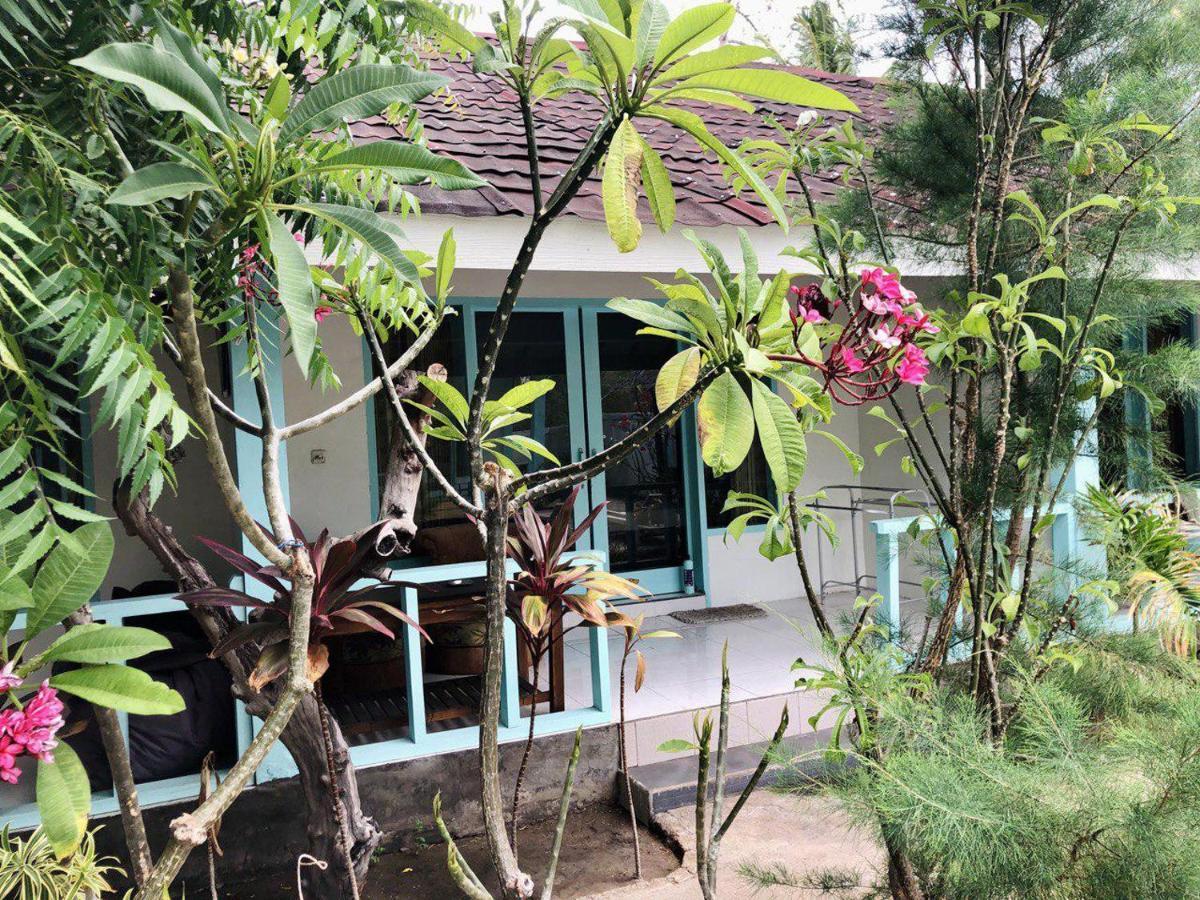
339,606
549,583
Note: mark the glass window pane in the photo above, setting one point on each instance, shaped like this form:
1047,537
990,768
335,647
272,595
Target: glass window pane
751,477
645,491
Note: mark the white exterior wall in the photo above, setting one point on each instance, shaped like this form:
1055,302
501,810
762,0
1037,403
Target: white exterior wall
196,509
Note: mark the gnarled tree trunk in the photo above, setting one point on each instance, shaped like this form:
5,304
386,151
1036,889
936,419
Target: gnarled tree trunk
302,736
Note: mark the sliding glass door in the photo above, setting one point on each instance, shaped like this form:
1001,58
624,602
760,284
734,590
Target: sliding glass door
645,525
604,375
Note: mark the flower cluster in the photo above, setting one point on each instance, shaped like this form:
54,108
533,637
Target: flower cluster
876,351
29,729
252,276
254,283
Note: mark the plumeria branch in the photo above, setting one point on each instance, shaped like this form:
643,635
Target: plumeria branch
546,482
414,441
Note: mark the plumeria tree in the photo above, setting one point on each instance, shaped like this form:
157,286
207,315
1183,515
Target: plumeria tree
1012,370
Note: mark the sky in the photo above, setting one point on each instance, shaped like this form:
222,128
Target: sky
767,16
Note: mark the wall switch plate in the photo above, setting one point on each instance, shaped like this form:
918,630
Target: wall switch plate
316,457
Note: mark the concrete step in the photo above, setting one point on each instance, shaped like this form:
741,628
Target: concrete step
662,786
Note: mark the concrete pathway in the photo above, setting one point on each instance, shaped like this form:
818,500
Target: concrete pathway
809,836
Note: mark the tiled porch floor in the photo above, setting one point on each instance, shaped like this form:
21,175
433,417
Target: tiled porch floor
684,674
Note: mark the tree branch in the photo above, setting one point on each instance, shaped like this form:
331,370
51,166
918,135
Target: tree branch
183,309
359,397
414,439
549,481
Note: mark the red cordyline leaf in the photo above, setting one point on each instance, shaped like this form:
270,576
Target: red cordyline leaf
244,564
223,597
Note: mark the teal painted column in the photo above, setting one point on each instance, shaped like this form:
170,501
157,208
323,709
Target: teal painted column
695,501
414,674
248,464
887,576
1137,419
601,683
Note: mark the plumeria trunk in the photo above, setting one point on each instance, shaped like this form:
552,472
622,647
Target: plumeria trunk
301,736
513,882
116,750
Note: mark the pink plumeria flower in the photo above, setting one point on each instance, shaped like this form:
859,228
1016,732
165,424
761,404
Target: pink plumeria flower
8,759
8,679
321,313
914,367
877,304
885,338
918,320
810,315
850,360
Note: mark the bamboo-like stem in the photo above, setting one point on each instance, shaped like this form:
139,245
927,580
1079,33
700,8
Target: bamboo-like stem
460,870
564,806
718,804
759,771
704,738
623,761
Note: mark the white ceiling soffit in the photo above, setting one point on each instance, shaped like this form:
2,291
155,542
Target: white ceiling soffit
572,244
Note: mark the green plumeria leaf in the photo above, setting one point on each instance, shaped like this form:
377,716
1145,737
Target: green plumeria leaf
64,799
726,421
96,643
167,85
357,93
780,435
619,187
70,576
678,375
659,192
296,292
120,687
159,181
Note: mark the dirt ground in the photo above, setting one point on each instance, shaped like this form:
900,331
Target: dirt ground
806,839
597,857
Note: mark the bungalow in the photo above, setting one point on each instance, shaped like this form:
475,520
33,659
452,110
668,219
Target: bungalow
663,524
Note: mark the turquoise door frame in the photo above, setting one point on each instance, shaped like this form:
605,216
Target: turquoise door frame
579,319
659,581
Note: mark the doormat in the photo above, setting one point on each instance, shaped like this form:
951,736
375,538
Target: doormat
713,614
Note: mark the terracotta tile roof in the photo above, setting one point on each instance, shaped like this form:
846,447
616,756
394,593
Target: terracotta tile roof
479,124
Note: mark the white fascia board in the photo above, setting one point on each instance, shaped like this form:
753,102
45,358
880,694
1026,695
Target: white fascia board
572,244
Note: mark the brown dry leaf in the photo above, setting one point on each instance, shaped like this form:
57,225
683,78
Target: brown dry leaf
318,662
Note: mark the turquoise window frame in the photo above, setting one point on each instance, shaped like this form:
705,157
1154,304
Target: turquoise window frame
583,404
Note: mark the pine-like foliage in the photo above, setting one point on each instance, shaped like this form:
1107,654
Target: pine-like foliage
1092,794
